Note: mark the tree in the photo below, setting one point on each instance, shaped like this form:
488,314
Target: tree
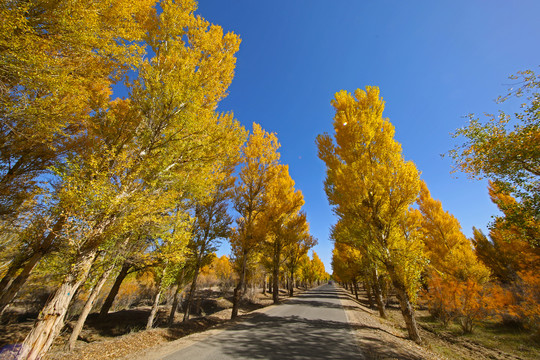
368,179
259,161
224,272
173,139
55,57
506,148
457,280
513,261
168,254
448,249
319,273
301,242
348,264
282,205
348,232
211,224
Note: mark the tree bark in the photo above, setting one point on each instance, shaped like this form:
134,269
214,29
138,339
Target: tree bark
355,289
153,312
155,306
88,307
264,285
378,294
406,308
238,289
179,281
114,290
369,295
9,294
51,318
291,288
275,280
8,278
191,295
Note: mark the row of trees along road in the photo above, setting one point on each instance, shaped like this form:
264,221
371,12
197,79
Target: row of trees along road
391,235
93,186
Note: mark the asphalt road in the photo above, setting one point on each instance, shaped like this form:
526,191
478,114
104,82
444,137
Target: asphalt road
310,326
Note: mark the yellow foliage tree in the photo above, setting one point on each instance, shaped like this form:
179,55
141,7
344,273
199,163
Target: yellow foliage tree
172,141
368,180
300,241
513,260
282,206
56,58
259,165
454,270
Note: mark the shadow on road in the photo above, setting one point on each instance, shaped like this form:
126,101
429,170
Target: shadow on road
287,338
305,329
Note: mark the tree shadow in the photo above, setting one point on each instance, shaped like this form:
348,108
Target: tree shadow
272,337
264,336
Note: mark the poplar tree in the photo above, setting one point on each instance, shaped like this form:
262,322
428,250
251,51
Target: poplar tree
282,205
157,149
258,168
505,148
367,179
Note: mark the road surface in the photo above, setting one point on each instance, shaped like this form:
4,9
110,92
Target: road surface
310,326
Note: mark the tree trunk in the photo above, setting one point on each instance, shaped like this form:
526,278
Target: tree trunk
238,289
275,279
192,290
179,281
155,306
291,288
406,308
153,312
355,289
8,278
88,307
51,318
9,294
369,295
114,290
170,322
378,295
264,284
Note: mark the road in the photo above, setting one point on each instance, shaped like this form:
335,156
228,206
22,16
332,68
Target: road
310,326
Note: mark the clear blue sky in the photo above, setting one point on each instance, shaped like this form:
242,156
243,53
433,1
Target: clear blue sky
434,62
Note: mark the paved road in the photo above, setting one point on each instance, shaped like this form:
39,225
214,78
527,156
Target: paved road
310,326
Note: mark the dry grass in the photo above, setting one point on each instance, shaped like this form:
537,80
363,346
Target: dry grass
489,340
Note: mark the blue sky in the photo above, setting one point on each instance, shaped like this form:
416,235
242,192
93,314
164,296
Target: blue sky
434,62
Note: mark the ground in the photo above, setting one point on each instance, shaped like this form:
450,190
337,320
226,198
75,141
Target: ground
123,334
489,341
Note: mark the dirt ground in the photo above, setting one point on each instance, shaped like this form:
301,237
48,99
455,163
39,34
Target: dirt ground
122,333
387,338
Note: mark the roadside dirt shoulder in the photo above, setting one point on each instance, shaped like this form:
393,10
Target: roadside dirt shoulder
377,338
